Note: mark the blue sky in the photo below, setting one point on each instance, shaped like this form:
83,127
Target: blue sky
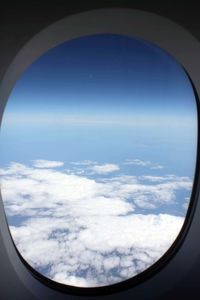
99,130
115,87
83,76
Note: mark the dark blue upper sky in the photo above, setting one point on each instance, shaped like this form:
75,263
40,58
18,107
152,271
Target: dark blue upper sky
106,74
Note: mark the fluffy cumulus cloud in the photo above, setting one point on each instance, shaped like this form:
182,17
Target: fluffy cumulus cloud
104,169
91,167
88,231
41,163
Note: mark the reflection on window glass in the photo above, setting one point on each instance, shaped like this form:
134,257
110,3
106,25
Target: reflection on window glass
98,152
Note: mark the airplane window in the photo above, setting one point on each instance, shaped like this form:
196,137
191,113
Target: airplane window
98,155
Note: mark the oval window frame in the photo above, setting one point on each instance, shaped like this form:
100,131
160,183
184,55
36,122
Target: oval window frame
166,35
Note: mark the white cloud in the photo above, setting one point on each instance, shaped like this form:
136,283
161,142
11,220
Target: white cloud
142,163
83,163
156,167
92,167
104,169
137,162
41,163
86,251
186,203
86,232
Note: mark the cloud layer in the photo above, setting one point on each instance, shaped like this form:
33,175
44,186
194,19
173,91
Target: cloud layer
87,231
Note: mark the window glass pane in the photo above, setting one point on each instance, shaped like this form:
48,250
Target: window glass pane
98,153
